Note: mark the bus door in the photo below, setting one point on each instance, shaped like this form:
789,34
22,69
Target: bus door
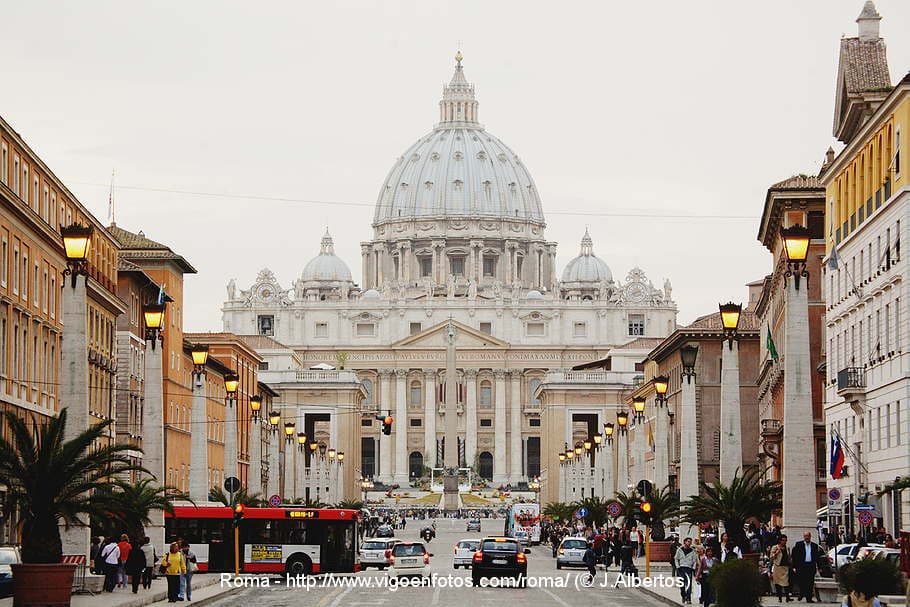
221,546
339,546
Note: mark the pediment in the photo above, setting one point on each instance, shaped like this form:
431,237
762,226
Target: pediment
465,337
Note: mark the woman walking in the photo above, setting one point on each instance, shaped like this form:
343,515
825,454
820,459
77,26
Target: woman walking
173,565
704,576
110,557
135,565
780,568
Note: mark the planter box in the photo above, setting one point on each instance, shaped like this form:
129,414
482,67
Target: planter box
48,585
660,552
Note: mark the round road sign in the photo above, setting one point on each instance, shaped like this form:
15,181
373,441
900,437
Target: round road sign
275,501
834,494
865,518
232,484
614,509
581,513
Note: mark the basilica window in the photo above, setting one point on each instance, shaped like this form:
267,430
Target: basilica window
535,329
486,393
533,385
457,266
489,266
414,328
426,266
416,422
636,324
486,423
580,329
534,422
266,324
366,329
368,386
322,329
416,394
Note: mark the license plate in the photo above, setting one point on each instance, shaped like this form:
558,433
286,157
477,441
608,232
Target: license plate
500,561
408,561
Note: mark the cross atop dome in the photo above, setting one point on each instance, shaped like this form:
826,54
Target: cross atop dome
458,107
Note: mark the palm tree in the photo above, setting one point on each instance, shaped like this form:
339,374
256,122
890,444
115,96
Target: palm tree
252,500
747,497
53,480
629,507
311,503
558,511
664,506
349,504
596,508
133,505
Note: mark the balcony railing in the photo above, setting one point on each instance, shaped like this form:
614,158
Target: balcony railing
590,377
770,427
851,378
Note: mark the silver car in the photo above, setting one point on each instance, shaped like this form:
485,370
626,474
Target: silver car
376,552
571,552
8,556
464,553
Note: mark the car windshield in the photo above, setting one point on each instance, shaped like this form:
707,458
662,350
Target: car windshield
574,544
469,545
475,520
7,557
409,550
500,546
374,545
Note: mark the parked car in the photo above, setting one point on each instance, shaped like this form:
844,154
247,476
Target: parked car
844,554
409,559
500,557
571,552
8,556
889,554
376,552
474,524
464,553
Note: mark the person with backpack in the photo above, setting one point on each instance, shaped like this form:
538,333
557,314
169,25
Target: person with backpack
590,561
703,576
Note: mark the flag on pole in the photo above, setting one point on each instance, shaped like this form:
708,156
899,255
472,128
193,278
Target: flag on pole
160,295
833,259
650,438
837,458
772,349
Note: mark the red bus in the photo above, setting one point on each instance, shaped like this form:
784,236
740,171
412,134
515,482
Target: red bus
299,541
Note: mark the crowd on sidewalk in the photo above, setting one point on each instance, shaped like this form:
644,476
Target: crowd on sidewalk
135,562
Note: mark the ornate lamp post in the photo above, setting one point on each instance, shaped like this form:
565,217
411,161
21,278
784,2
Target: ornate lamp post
199,448
301,441
622,455
153,315
688,448
638,407
289,429
731,447
274,419
231,385
77,242
274,482
798,474
255,407
661,449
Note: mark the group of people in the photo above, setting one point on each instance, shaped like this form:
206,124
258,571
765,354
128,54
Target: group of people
136,562
609,544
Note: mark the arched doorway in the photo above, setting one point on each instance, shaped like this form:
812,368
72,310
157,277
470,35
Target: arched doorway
415,464
485,465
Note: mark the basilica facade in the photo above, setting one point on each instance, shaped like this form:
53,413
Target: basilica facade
458,233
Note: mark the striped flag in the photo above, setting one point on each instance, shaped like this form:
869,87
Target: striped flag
837,458
772,349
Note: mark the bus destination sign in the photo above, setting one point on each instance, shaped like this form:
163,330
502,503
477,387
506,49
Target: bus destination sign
302,514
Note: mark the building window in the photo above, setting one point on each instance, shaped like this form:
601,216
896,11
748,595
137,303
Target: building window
15,270
322,329
486,327
486,423
489,266
415,328
16,175
897,153
457,266
486,393
366,423
5,260
366,329
23,192
416,422
640,367
266,324
368,386
532,389
426,266
535,329
636,324
264,365
416,394
580,329
534,422
4,167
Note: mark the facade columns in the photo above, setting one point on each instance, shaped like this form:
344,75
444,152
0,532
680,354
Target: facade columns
199,442
507,263
439,269
688,449
470,417
153,432
385,442
254,478
230,437
288,490
367,274
515,418
405,261
798,474
401,428
274,484
429,418
499,427
380,259
731,441
661,448
477,251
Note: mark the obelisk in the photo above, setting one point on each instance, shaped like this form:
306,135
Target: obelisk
450,452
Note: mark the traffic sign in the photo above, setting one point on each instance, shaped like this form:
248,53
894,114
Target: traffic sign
644,488
834,494
614,509
835,507
864,518
232,484
275,501
581,513
864,507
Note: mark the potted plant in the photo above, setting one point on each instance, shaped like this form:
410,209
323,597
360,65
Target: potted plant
53,480
737,583
868,578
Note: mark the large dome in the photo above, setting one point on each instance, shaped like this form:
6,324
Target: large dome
459,169
587,267
326,267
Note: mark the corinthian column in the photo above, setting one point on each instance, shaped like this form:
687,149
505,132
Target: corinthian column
470,417
429,418
499,426
731,446
401,428
515,417
385,442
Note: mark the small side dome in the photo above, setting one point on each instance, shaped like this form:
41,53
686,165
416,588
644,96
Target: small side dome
370,294
587,267
534,294
326,267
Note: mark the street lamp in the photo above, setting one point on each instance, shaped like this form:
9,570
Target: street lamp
796,247
255,406
340,457
622,420
578,449
289,429
609,429
154,321
200,354
598,440
301,441
77,241
688,354
638,405
661,383
274,419
231,383
562,458
729,316
331,454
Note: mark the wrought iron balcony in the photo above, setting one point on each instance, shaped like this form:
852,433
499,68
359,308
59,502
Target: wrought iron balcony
851,380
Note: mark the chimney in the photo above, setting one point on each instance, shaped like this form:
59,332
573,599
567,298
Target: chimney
868,22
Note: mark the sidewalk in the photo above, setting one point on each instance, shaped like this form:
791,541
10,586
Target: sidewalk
206,588
671,596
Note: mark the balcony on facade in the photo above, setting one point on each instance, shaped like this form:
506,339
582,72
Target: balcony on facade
308,376
851,383
626,378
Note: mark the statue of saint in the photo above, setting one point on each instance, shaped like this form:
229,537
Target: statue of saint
668,290
472,289
232,290
450,285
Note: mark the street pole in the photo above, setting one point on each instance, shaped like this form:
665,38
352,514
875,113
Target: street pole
236,549
647,552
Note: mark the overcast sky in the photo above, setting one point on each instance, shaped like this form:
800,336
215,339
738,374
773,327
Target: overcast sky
618,109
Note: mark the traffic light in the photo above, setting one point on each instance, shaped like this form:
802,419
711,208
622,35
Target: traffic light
238,513
387,425
644,509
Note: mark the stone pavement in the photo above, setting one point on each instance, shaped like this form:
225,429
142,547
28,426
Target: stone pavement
206,588
671,596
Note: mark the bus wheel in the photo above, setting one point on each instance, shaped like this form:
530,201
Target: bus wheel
299,565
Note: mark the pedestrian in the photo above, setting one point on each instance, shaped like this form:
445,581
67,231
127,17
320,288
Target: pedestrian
186,580
780,568
125,548
98,561
134,565
110,556
684,561
173,565
704,576
674,546
151,557
93,552
805,556
590,561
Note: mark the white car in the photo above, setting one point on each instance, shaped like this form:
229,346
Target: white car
464,553
844,554
376,552
409,559
571,552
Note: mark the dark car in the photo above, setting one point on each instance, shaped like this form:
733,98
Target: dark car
385,531
500,557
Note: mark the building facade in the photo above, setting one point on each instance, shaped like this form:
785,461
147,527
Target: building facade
458,232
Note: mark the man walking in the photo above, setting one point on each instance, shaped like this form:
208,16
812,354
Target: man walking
685,560
805,557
